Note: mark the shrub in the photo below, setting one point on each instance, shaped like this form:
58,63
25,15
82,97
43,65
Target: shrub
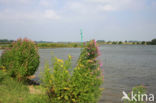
80,86
87,77
22,59
57,82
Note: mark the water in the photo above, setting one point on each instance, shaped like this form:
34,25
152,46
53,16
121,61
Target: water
125,66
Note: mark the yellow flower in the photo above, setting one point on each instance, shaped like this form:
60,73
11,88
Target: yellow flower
51,76
59,97
81,65
73,100
61,65
78,68
60,60
50,81
66,88
69,56
90,61
4,70
66,71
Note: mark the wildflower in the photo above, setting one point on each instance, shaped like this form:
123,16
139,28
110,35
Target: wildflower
66,71
100,64
4,70
92,52
61,65
90,61
59,60
69,56
66,88
59,97
51,76
88,48
74,100
81,65
50,81
88,54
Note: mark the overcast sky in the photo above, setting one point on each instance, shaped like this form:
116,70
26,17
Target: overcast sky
61,20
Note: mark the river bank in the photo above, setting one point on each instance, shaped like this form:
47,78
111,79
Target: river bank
124,66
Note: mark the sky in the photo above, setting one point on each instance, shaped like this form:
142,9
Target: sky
61,20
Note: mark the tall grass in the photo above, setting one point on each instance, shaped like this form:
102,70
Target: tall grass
12,91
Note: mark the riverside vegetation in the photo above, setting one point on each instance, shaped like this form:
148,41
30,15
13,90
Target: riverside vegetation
21,60
4,43
60,83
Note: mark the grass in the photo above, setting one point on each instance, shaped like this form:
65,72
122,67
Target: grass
58,45
47,45
12,91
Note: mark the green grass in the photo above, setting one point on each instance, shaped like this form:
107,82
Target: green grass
48,45
12,91
58,45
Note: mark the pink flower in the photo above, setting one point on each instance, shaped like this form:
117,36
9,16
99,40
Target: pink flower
101,64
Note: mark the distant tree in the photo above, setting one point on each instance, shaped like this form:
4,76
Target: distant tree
120,42
100,41
143,42
153,41
75,45
114,42
108,42
5,41
137,43
148,43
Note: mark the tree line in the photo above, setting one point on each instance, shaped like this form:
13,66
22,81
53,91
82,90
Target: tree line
152,42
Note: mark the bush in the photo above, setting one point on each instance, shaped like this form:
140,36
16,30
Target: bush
22,59
87,77
80,86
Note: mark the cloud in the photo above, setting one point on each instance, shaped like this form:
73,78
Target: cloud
51,14
15,1
44,3
154,4
116,5
106,8
77,7
34,15
54,10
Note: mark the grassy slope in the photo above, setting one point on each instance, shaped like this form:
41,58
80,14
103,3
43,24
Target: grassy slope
12,91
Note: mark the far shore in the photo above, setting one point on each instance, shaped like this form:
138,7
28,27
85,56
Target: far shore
75,44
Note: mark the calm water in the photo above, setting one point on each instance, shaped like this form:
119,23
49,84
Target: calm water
125,66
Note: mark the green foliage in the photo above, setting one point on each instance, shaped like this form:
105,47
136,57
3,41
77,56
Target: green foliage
22,59
13,91
58,45
153,41
87,76
80,86
57,82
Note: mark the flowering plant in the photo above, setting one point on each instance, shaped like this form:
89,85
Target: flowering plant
80,86
22,59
